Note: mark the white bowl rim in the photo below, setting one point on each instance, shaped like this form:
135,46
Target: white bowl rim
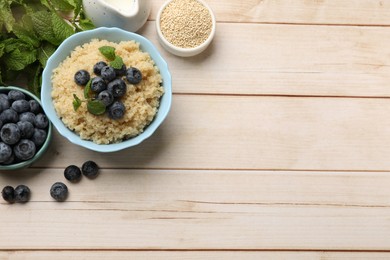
86,36
186,51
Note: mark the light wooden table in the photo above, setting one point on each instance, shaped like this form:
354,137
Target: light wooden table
277,147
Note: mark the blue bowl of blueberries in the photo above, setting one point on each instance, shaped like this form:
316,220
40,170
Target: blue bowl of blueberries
25,131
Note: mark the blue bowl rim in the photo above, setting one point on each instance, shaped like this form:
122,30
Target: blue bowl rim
80,38
45,145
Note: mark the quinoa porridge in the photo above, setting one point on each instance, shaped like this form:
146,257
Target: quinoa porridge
141,100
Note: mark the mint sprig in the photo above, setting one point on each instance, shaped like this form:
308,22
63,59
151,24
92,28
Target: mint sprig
30,31
109,53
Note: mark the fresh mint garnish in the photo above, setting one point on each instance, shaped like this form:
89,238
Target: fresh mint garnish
88,90
117,63
96,107
108,52
76,102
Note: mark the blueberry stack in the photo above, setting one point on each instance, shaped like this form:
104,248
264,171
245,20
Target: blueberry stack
23,127
109,85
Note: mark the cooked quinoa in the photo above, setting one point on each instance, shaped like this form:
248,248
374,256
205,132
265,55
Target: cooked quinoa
141,100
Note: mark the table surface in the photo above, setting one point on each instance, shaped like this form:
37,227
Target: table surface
276,147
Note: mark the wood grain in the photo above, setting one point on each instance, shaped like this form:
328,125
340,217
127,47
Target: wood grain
349,12
190,255
201,210
241,132
285,60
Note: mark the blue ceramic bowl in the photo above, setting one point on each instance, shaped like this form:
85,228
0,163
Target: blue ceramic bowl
113,35
42,150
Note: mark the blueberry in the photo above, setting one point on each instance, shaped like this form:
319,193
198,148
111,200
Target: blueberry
10,160
16,95
4,102
98,84
41,121
117,87
72,173
120,72
59,191
108,73
90,169
26,129
35,107
22,193
5,152
10,133
133,75
39,136
21,105
106,97
8,194
97,68
1,124
116,110
24,150
27,116
9,116
82,77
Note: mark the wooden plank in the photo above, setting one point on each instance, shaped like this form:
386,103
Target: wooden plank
235,132
286,60
188,255
214,210
368,12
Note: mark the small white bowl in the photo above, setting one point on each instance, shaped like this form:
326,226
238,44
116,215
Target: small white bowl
179,51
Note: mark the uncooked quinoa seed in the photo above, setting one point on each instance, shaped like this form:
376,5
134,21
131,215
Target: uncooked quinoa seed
186,23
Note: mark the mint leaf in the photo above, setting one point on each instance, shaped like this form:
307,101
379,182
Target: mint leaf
43,26
96,107
108,52
61,29
76,102
86,24
62,5
18,59
44,52
6,17
26,35
87,90
117,63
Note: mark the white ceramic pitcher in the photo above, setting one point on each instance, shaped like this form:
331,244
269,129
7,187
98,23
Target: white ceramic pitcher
129,15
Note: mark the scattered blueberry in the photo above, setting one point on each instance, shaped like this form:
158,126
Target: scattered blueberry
39,136
72,173
5,152
8,194
16,95
41,121
9,116
90,169
26,129
27,116
98,85
21,105
24,150
97,68
34,106
116,110
22,193
106,97
82,77
10,133
59,191
108,73
117,87
133,75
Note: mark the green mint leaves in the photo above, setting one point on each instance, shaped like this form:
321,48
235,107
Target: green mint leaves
94,106
109,52
30,32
